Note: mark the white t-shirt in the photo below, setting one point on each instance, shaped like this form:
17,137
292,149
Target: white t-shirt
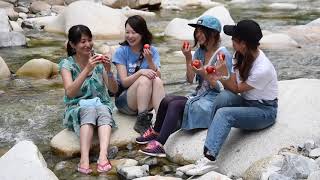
263,78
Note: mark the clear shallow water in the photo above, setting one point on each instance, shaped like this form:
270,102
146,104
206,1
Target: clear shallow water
33,109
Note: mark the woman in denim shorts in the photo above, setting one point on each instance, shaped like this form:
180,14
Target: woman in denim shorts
138,67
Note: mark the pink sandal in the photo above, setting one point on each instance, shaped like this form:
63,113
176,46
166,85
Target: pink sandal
104,167
84,170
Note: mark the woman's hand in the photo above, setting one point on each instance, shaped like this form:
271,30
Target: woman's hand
92,62
221,67
147,54
149,73
211,77
106,61
186,50
200,70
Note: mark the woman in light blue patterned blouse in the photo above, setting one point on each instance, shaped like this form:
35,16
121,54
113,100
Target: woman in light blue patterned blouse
86,78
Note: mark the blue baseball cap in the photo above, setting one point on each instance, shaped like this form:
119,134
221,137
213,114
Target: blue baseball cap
208,22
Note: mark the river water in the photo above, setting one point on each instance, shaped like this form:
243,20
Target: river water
33,109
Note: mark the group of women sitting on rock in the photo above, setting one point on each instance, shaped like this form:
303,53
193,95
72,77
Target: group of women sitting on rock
238,90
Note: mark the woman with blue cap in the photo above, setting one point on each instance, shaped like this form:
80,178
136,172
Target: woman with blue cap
252,99
193,111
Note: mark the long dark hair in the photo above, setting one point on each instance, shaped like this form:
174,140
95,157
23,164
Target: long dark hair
208,33
139,25
245,61
74,36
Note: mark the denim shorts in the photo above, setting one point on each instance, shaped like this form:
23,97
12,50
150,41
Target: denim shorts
98,116
121,103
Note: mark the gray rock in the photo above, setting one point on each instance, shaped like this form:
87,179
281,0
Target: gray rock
21,9
315,153
276,176
112,152
38,6
297,166
314,175
24,161
9,39
148,160
4,21
309,145
134,171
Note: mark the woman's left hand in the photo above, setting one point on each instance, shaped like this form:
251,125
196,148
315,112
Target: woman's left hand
221,67
147,54
106,61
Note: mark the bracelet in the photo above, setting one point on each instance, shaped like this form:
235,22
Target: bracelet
225,77
110,75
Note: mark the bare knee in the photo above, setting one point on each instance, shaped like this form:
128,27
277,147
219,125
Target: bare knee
157,82
144,81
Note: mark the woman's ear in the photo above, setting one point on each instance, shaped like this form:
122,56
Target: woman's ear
71,44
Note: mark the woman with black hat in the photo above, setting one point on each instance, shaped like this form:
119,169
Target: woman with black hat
194,110
253,88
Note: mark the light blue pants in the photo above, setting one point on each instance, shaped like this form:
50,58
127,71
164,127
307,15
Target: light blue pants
239,113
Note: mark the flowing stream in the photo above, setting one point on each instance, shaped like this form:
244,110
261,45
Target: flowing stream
33,109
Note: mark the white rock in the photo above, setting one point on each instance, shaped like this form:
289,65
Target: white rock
15,26
4,70
24,161
134,171
179,28
239,1
283,6
213,175
315,153
9,39
57,9
242,149
4,21
278,41
127,11
304,34
23,15
314,175
103,21
157,178
315,22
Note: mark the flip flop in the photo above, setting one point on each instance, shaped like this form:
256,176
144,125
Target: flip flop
84,170
104,167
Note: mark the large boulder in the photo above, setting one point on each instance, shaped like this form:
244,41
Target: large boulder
103,21
4,70
39,69
24,161
38,6
132,4
67,142
181,4
179,28
9,39
298,120
278,41
4,21
305,34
